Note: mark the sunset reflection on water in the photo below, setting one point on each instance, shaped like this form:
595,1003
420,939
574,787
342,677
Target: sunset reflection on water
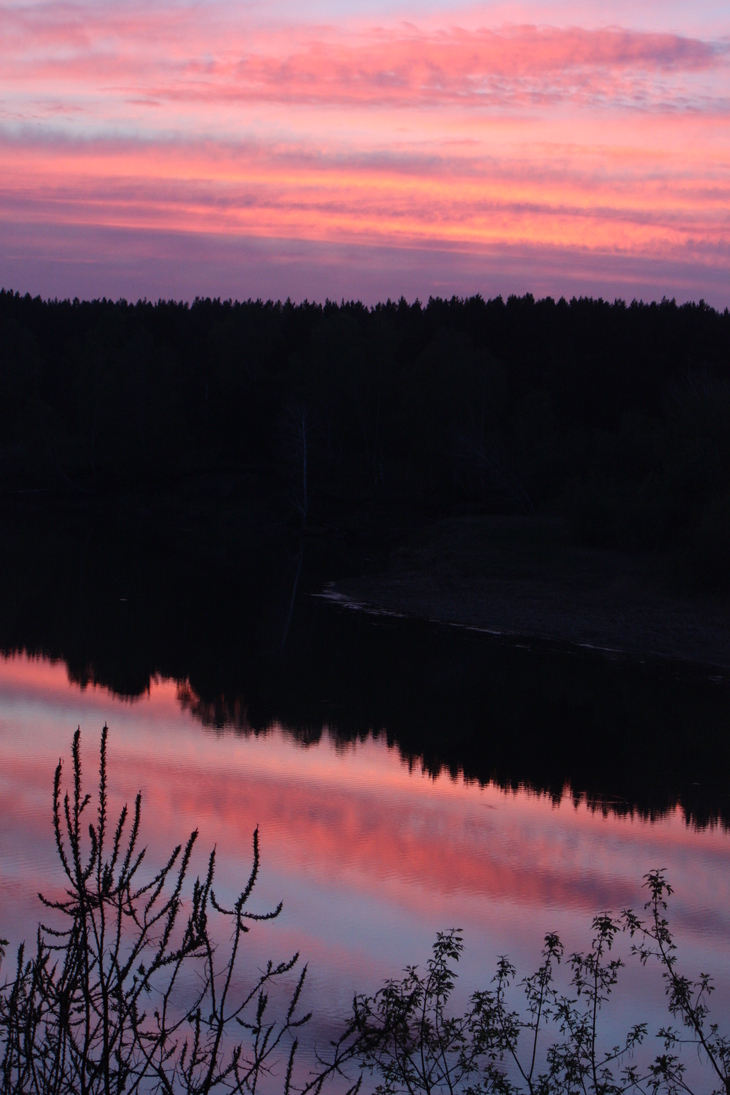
370,858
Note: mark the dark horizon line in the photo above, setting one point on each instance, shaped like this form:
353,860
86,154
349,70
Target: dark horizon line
389,302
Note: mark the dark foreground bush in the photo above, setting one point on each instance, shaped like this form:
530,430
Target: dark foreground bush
130,993
406,1036
127,991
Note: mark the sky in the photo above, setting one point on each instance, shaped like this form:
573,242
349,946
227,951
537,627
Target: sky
361,149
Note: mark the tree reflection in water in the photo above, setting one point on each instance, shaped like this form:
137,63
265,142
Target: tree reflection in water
623,737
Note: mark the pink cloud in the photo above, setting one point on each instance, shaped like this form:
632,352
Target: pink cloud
484,68
179,55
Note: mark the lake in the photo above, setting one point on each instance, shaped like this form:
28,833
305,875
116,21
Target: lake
405,779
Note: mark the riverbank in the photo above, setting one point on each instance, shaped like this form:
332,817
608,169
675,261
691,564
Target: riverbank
527,578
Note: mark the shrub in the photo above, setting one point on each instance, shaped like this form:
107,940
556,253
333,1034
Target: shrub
107,1002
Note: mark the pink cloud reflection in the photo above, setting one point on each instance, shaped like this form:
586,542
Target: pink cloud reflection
370,858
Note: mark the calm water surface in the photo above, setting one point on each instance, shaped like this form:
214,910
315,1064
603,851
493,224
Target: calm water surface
370,855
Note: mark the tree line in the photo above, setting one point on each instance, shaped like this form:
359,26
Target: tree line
615,415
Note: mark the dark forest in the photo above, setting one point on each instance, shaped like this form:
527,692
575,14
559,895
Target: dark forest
614,416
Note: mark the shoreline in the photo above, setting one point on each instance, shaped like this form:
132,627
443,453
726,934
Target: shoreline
542,589
679,665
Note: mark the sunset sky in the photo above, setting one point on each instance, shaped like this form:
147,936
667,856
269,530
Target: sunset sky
355,148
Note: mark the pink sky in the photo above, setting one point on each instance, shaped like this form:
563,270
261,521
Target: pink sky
353,148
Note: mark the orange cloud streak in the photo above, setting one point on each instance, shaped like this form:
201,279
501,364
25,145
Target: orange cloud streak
252,191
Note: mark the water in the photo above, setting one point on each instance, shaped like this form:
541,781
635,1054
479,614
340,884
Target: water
404,780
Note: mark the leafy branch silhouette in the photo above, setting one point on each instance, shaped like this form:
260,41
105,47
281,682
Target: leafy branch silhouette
108,1002
407,1037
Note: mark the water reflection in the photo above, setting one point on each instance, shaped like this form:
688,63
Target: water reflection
406,778
371,856
624,738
